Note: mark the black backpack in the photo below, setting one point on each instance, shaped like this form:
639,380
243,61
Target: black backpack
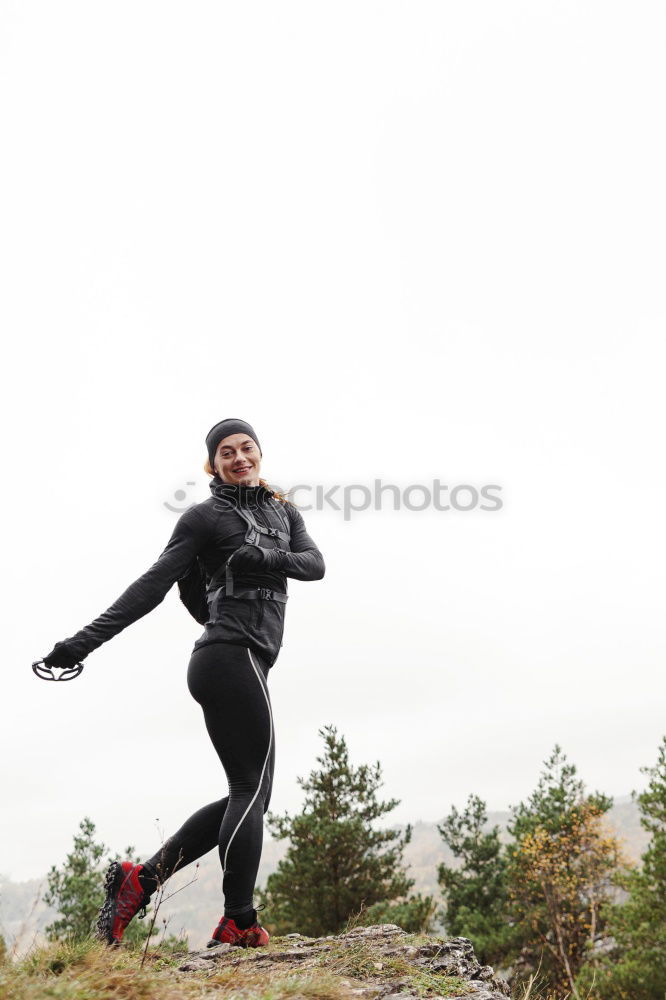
193,587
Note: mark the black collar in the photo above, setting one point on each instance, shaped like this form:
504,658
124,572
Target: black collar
238,494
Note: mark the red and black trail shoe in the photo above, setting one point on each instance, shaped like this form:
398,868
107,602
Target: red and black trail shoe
226,932
125,896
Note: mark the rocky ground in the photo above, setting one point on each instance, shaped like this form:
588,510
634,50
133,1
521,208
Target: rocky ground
380,962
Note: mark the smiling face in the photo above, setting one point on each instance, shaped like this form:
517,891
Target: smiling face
237,460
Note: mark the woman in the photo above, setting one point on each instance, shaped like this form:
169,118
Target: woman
244,541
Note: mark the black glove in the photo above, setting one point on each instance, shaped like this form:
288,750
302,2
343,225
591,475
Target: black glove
61,656
253,557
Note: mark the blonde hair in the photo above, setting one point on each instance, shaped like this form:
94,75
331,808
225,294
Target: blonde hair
282,497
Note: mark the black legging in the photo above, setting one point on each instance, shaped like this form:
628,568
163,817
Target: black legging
230,684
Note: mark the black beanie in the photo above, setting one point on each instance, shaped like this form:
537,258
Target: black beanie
224,429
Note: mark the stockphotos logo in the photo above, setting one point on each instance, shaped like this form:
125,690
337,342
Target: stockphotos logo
353,498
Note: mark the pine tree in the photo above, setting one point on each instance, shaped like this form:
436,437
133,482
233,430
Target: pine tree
76,889
336,862
635,968
476,891
560,872
553,803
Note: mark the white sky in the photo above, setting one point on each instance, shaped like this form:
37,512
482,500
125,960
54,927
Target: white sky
405,241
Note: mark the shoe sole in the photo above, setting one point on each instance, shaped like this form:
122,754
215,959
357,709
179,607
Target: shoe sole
213,943
107,914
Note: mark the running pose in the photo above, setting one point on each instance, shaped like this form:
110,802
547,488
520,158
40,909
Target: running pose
231,556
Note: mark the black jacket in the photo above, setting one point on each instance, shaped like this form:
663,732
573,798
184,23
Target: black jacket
213,530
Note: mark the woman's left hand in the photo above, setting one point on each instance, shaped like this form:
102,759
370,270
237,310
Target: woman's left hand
253,557
61,656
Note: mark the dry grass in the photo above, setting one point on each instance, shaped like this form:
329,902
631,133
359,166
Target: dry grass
90,971
360,960
86,971
535,989
255,984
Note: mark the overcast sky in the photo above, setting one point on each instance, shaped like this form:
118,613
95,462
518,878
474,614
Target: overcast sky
406,242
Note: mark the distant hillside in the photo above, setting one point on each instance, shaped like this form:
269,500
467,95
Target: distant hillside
427,850
197,908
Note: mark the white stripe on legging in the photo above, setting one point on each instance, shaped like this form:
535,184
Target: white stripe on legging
268,753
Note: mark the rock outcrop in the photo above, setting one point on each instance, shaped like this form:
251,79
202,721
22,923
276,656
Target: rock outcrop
385,947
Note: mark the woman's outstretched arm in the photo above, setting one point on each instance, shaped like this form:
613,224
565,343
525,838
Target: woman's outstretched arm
187,541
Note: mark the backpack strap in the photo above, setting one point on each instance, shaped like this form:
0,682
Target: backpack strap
279,508
256,530
253,536
258,594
